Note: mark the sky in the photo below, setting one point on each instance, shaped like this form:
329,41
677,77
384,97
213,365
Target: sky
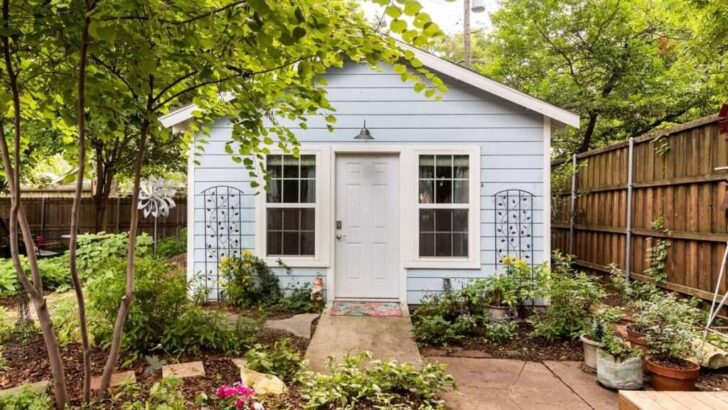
447,14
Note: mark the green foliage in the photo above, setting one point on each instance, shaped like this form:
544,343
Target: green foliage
434,331
282,360
618,348
571,297
6,324
501,331
249,281
657,254
354,384
95,250
298,299
54,272
172,245
668,324
599,323
26,399
161,317
164,395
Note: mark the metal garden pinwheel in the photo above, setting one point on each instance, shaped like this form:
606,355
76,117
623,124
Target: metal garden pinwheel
156,198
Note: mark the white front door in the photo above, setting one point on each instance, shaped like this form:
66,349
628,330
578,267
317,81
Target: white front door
367,221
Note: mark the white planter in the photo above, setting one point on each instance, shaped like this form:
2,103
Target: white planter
497,312
590,354
619,374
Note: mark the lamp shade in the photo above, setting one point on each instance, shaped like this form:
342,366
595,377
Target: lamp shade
477,6
364,134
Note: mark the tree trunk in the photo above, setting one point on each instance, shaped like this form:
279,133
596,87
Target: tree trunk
131,253
104,179
86,350
588,133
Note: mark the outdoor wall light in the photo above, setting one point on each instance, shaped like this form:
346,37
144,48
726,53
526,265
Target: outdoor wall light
364,134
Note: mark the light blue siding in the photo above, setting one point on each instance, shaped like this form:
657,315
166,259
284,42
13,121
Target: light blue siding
511,139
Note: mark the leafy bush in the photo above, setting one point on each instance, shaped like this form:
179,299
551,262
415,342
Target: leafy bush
161,316
172,245
95,250
165,394
26,399
669,327
282,360
54,272
6,324
571,298
501,331
298,300
617,347
354,383
249,281
434,331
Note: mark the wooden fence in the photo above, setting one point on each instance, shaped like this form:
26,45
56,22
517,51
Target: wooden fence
674,176
51,217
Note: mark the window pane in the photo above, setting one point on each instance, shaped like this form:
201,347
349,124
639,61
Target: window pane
460,192
290,243
443,191
308,219
427,220
308,191
274,191
427,166
444,166
460,220
308,245
460,244
426,194
427,244
290,167
290,191
308,166
461,166
290,219
274,166
443,220
274,243
275,219
443,244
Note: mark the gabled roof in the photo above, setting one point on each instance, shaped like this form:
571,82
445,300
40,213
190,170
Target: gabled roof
449,69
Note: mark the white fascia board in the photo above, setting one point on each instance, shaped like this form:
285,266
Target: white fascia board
183,114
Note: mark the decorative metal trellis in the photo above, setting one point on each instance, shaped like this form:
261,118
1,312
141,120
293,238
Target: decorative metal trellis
223,231
514,225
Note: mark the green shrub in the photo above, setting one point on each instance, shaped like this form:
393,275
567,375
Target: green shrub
95,250
617,347
434,331
249,281
354,383
164,395
172,245
500,331
669,325
298,300
282,360
54,272
6,324
571,297
198,330
26,399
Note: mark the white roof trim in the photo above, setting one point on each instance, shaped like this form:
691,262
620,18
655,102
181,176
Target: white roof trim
443,66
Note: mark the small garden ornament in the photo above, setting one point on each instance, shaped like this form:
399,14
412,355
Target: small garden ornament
156,198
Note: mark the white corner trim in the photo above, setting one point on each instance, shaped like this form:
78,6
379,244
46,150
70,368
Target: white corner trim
488,85
191,213
547,189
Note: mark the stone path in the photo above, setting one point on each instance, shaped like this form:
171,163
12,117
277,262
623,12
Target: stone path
298,325
384,337
489,384
117,379
37,387
183,370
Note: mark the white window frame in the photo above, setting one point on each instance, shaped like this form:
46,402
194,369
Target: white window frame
321,256
472,261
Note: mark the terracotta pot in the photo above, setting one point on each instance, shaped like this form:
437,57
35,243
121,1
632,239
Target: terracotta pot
590,353
673,379
498,312
637,339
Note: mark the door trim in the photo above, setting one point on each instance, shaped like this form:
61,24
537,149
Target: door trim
403,159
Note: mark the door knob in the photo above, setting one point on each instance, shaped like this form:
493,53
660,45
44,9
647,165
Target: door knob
339,236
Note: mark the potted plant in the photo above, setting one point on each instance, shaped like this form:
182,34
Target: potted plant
595,332
619,365
500,296
669,325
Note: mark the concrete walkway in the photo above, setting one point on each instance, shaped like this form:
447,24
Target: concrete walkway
385,337
490,384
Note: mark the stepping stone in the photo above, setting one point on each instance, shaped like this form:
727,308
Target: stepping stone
433,352
298,325
183,370
117,379
262,383
472,354
240,363
37,387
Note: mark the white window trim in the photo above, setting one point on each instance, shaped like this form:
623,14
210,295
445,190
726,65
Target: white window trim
472,261
322,255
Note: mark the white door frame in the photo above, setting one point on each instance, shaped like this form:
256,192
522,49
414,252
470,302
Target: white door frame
363,149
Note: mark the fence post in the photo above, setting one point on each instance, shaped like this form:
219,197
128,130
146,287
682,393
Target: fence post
42,216
572,219
630,184
118,210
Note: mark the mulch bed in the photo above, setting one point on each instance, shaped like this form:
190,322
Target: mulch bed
269,313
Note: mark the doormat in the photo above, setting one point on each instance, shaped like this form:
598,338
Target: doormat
378,309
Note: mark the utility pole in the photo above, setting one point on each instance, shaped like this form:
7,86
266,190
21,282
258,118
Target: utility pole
468,55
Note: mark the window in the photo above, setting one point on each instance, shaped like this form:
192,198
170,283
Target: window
291,206
444,187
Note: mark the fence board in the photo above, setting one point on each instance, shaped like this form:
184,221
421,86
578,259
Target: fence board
681,186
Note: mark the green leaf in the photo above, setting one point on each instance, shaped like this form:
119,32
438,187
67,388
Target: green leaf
261,6
412,7
399,68
299,33
393,11
330,119
398,26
